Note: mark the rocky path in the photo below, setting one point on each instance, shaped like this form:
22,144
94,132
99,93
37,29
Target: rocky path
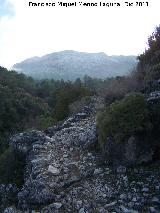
56,162
63,174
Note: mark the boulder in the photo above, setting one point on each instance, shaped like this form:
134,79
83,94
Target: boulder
22,142
55,159
53,170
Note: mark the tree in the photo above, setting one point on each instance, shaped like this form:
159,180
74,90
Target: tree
148,69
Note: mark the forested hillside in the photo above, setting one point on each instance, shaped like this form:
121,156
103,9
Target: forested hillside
27,104
19,104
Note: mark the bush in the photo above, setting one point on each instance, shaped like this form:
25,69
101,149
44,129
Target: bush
77,106
11,167
65,96
123,119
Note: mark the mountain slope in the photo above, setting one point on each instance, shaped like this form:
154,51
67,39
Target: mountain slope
63,173
69,65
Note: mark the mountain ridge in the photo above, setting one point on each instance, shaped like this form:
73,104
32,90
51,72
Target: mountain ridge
69,65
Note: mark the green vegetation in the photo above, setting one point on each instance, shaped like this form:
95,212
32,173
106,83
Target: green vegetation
124,118
11,167
111,89
19,107
148,70
65,96
131,115
77,106
28,104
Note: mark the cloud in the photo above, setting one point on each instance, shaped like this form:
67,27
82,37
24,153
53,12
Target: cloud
37,31
6,8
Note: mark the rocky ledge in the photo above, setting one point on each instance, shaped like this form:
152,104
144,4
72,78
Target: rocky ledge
63,173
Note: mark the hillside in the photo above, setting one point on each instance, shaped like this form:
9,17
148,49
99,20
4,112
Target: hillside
98,150
26,103
63,173
69,65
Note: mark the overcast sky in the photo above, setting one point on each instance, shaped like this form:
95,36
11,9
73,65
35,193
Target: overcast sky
30,31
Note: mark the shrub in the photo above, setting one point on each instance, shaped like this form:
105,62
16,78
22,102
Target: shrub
11,167
123,119
77,106
65,96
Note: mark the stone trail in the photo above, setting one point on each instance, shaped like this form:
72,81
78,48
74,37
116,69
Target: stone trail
64,174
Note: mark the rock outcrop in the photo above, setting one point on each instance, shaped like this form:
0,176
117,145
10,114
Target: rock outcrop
8,194
56,158
54,163
64,174
153,97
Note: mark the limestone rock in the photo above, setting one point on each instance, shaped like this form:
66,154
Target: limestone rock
53,170
63,174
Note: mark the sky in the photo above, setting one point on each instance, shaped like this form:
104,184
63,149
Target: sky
35,31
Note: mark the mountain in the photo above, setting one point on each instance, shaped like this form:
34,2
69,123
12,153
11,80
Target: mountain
69,65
